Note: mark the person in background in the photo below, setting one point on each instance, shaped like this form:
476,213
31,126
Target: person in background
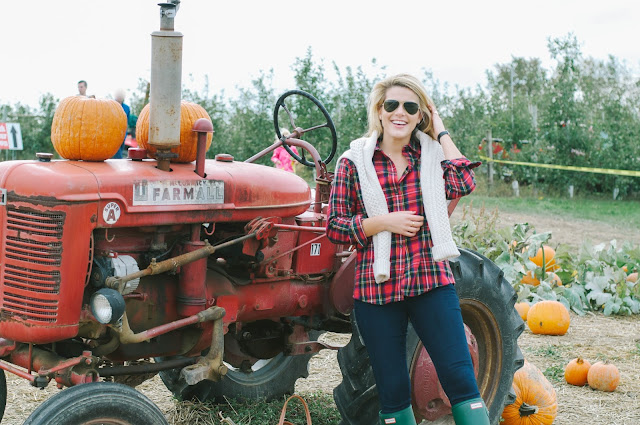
281,158
119,97
82,89
388,199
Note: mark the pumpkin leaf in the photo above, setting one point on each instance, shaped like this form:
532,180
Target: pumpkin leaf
612,306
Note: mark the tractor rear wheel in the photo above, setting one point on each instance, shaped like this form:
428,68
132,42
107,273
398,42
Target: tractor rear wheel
266,379
97,403
486,300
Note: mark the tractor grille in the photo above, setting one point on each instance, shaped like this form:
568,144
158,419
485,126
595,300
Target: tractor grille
33,254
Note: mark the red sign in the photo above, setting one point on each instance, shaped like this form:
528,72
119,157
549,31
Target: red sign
4,136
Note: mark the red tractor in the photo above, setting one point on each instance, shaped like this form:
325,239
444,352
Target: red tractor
220,278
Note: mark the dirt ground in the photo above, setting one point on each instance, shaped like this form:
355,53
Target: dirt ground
594,337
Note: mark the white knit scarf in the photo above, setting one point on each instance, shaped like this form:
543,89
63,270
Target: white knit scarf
433,196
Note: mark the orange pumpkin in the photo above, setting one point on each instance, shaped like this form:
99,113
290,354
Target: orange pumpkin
603,376
547,255
554,278
530,279
576,371
548,318
536,402
633,277
189,113
522,309
88,129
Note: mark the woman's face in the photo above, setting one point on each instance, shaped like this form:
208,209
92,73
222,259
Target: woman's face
399,124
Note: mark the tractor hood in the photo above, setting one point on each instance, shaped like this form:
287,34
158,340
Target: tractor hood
136,193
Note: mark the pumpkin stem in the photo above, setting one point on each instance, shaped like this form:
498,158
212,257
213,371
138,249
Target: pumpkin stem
527,410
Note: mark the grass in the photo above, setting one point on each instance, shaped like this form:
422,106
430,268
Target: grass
554,373
500,196
321,406
550,351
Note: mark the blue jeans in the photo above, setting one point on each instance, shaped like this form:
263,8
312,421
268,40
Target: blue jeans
437,319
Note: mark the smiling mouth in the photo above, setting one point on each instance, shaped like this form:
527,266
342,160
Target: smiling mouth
398,123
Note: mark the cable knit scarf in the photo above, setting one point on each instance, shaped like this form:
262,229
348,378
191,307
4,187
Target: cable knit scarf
433,196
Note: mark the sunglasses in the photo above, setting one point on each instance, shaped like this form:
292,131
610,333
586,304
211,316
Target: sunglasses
391,105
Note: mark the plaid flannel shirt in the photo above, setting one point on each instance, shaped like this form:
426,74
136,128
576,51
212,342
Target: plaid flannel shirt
413,270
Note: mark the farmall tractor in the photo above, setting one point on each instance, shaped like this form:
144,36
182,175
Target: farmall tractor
216,274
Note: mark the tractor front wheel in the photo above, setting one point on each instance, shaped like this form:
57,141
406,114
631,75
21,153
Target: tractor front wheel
3,393
103,403
486,301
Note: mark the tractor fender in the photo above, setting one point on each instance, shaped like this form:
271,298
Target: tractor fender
341,288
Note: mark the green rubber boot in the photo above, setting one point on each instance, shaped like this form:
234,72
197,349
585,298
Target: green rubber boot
471,412
403,417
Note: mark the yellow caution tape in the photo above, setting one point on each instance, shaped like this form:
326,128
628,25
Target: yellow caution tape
568,167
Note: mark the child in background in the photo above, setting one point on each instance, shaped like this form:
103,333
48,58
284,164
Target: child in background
281,157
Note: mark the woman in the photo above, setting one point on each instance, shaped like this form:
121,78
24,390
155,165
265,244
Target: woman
389,200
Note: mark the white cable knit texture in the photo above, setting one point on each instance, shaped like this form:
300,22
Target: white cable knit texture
433,196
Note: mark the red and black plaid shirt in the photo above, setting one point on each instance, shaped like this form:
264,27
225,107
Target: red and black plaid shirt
413,270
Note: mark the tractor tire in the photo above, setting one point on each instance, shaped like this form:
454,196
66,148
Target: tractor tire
487,301
268,380
102,403
3,393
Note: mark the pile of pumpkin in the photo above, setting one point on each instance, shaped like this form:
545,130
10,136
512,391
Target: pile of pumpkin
90,129
536,400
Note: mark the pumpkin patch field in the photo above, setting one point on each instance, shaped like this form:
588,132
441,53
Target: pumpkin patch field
613,338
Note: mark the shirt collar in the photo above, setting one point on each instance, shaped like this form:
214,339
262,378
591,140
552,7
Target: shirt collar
413,146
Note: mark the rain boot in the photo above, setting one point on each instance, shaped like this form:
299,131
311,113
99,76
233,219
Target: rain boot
403,417
471,412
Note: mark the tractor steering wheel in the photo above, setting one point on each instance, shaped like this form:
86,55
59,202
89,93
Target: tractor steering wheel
300,131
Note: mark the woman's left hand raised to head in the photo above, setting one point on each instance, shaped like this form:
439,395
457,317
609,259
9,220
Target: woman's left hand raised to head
438,125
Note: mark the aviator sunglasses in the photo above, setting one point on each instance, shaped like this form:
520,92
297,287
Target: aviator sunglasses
391,105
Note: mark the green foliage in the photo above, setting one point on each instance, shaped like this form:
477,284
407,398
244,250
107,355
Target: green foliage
600,270
555,373
592,279
581,112
35,125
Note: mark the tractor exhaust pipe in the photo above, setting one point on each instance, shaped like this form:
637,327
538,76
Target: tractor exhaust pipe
166,85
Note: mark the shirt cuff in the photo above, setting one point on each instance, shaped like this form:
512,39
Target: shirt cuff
358,231
460,162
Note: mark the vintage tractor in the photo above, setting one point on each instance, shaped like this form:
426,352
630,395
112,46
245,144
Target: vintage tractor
219,277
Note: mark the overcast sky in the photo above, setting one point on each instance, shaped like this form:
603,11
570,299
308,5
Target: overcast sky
47,46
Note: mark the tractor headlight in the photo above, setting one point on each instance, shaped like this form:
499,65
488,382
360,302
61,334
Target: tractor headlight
107,306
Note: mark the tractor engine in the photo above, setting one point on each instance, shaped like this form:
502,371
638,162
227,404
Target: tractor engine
70,227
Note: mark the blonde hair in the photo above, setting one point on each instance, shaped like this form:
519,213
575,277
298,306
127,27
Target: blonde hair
378,95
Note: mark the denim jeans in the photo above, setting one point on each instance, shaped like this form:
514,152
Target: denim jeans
437,319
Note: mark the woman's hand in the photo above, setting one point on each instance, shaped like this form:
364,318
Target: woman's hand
406,223
438,125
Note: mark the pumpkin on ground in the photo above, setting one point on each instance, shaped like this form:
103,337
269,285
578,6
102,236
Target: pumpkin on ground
530,278
546,255
189,113
548,318
576,372
88,129
603,376
536,402
522,308
555,279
